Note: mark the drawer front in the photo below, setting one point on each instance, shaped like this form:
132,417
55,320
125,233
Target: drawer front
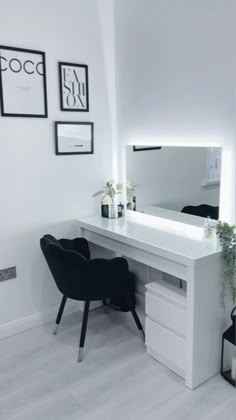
166,344
166,314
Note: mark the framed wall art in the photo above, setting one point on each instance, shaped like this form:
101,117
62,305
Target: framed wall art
141,148
74,138
23,87
74,89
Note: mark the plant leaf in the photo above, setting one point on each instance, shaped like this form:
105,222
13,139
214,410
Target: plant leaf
98,193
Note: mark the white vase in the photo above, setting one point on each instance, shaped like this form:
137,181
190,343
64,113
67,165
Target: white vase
113,211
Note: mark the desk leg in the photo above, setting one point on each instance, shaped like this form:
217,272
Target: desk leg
205,320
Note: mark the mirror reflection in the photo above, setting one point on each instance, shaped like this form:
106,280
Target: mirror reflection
163,180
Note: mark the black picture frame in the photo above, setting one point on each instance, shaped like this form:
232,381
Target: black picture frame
77,90
22,80
144,148
87,151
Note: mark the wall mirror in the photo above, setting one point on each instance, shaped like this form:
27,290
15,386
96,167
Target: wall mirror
169,181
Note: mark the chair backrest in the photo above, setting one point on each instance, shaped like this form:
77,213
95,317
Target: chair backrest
203,210
65,265
81,278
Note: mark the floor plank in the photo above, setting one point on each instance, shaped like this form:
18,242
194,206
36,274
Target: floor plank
41,379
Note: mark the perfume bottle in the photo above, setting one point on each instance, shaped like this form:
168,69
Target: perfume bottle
134,203
120,209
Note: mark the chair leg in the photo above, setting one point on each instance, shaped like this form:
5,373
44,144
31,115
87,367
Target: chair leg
83,331
104,301
136,318
59,315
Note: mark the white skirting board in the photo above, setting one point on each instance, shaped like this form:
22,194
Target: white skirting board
40,318
35,320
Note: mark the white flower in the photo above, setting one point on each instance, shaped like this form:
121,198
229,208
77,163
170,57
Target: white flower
119,186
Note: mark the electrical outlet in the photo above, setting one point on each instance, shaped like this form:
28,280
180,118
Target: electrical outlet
8,273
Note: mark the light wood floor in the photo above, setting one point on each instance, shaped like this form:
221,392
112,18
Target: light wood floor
41,380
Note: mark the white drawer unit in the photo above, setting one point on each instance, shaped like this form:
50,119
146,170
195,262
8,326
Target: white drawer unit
166,325
167,306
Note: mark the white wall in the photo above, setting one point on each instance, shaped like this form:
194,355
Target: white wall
176,78
175,85
43,193
170,177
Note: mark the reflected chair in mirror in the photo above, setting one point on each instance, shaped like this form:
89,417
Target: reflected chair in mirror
203,210
81,278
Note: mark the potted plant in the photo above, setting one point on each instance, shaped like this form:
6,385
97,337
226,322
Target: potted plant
227,236
110,191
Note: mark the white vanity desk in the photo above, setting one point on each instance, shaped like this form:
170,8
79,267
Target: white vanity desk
190,342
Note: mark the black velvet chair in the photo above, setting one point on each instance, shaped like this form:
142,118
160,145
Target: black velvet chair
80,278
203,210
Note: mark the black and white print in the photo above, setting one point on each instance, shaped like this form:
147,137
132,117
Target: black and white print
74,138
74,93
23,91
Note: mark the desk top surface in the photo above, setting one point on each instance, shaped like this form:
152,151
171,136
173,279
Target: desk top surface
149,233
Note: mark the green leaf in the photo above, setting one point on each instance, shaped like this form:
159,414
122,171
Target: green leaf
227,237
98,193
